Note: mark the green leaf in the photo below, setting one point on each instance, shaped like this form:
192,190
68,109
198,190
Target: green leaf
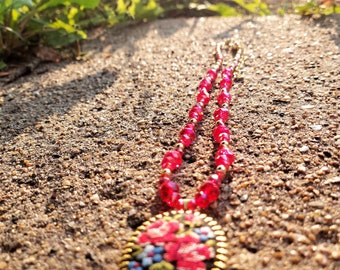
2,64
20,3
7,6
91,4
58,24
121,7
223,10
61,38
337,9
281,11
71,16
111,16
139,11
256,7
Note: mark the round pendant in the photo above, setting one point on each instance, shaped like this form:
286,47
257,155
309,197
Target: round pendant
183,240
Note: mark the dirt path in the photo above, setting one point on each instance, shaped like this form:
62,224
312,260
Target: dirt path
80,145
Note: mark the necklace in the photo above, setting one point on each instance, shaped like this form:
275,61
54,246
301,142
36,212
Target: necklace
185,238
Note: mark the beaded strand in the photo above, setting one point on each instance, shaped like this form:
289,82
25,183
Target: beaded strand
208,192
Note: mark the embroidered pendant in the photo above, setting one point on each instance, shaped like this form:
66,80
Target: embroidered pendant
183,240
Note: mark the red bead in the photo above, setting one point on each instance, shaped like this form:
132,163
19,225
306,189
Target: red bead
218,177
211,189
192,205
221,114
226,83
187,135
223,97
203,97
223,137
202,200
164,178
227,73
205,83
167,191
196,112
173,202
190,125
222,150
179,205
223,160
172,160
215,179
212,73
218,131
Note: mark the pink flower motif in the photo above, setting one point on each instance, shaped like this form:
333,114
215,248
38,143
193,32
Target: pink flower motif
194,252
186,265
187,248
171,251
159,232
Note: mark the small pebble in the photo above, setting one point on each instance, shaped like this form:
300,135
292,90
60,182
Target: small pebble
257,203
321,259
237,215
267,168
265,260
301,169
278,254
3,265
287,98
285,216
333,180
244,198
307,107
95,198
317,204
149,192
323,170
316,127
335,255
294,258
66,183
328,218
304,149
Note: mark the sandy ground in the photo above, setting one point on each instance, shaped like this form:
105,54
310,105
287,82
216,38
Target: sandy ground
81,143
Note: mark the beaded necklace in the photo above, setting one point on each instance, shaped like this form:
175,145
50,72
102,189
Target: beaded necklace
185,238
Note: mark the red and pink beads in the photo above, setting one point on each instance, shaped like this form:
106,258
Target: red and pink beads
209,191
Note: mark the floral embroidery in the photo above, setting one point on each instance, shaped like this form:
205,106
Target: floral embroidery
183,242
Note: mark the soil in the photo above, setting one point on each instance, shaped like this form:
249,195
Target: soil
81,143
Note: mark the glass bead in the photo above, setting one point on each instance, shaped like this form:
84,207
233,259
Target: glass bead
164,178
223,160
169,193
192,205
203,97
172,160
187,136
218,131
221,114
226,83
196,112
211,189
202,200
227,73
174,200
212,73
223,97
222,150
205,84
